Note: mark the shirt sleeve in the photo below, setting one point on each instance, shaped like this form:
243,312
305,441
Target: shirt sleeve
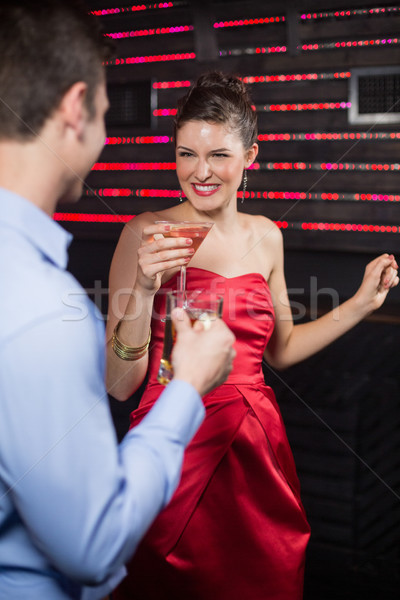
85,501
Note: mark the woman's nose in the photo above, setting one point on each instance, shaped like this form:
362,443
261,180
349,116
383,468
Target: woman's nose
203,170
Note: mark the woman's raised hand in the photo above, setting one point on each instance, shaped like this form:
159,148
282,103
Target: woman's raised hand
380,276
158,253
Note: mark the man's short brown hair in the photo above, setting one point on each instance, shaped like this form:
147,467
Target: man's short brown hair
45,47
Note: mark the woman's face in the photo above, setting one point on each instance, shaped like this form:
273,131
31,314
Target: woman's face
210,160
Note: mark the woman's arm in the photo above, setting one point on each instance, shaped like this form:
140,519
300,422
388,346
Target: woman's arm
291,343
135,276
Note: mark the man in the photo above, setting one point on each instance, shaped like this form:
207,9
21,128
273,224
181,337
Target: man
73,505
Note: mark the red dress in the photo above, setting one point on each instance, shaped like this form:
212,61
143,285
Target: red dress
235,528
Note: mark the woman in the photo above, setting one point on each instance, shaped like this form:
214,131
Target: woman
235,527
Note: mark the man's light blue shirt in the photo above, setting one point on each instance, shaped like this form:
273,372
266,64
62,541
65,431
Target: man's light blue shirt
73,504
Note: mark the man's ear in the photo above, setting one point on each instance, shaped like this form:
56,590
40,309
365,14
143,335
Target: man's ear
251,155
72,108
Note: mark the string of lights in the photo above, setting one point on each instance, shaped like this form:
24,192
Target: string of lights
142,166
164,85
129,193
362,227
247,22
307,47
253,79
259,195
316,166
350,44
168,112
250,51
257,166
134,60
91,218
305,106
329,136
143,139
299,225
284,78
316,16
164,112
340,14
139,7
273,137
148,32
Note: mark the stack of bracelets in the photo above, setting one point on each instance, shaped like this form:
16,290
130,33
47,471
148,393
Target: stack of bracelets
128,352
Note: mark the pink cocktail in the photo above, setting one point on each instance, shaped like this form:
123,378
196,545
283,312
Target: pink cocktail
196,231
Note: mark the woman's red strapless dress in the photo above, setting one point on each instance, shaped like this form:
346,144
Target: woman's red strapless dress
235,528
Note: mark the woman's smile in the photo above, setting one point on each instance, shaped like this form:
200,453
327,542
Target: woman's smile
205,189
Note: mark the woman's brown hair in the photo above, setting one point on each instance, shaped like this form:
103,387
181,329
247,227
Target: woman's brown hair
219,98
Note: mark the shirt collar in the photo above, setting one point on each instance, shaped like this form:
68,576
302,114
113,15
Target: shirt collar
35,225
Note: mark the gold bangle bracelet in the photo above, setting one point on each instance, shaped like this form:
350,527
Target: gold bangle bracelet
128,352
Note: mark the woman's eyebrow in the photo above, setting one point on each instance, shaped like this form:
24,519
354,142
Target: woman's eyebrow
215,150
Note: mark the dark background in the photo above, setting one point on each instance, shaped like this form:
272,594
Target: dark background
341,407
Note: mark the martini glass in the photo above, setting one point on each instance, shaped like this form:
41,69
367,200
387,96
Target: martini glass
191,229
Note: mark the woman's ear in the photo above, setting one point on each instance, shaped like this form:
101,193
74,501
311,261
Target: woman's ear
251,155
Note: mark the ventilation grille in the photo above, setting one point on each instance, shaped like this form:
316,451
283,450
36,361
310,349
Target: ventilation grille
130,104
375,95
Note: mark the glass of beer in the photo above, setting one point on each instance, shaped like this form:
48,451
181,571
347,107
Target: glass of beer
200,306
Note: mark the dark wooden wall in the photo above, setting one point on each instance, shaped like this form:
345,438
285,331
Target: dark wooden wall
302,179
323,180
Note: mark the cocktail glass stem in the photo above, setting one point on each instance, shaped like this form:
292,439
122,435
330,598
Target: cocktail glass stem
182,279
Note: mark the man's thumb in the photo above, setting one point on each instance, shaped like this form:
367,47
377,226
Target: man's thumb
180,319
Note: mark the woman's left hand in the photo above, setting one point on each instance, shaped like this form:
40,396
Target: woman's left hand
379,277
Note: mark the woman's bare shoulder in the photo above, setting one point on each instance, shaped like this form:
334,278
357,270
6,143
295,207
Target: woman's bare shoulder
132,231
264,228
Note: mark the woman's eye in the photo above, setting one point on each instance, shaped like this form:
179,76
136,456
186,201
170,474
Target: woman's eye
220,155
183,153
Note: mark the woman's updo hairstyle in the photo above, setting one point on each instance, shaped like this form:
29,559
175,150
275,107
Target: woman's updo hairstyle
219,98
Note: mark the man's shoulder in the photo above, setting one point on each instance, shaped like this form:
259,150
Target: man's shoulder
36,291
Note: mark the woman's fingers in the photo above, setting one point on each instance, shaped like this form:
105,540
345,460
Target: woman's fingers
158,255
151,270
389,277
163,243
165,250
379,277
156,228
380,265
384,271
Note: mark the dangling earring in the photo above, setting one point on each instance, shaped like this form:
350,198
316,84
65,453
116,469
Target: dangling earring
180,196
244,185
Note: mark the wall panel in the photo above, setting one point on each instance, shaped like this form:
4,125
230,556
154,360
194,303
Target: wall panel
254,40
